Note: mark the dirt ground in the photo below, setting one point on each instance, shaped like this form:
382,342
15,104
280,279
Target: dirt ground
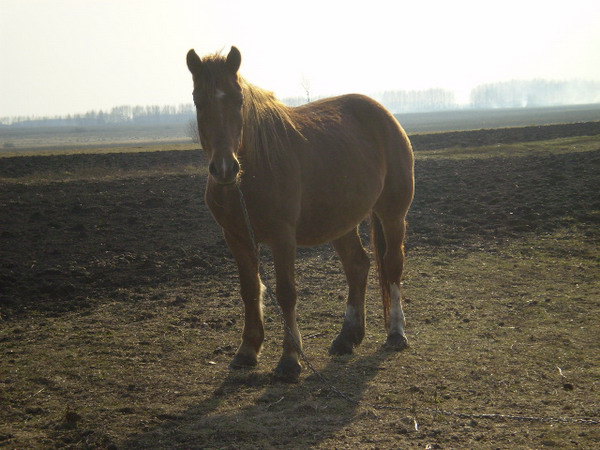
120,312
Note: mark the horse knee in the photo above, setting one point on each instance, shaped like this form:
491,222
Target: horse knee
361,265
286,294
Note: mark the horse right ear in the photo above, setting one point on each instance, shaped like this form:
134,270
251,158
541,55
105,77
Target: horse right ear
194,62
234,60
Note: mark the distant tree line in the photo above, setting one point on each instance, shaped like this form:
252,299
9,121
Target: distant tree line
119,115
419,101
403,101
532,93
508,94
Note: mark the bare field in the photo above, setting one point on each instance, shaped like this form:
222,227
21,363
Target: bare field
27,139
120,312
18,140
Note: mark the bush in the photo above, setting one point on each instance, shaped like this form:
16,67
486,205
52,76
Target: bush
192,131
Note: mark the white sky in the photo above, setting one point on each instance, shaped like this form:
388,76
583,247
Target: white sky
68,56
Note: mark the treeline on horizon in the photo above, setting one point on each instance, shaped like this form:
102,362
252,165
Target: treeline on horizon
507,94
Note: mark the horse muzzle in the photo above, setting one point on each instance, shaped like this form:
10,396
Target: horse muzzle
224,170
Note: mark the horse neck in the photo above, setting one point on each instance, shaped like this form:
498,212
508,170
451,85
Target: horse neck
269,127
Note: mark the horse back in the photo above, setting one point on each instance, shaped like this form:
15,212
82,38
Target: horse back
345,125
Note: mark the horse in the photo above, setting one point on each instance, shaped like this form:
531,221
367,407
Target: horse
303,176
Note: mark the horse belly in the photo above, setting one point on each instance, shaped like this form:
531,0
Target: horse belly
336,207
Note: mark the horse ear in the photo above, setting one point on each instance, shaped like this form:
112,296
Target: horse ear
193,61
234,60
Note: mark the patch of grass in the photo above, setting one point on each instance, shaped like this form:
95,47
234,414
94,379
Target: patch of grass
515,150
95,150
104,174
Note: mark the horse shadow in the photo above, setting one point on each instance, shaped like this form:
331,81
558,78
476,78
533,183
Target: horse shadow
303,414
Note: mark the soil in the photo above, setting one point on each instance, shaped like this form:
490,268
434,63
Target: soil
119,309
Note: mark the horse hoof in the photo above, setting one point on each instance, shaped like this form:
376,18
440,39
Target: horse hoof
243,361
288,370
341,346
396,342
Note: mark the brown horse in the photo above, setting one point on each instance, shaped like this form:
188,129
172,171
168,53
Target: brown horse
308,175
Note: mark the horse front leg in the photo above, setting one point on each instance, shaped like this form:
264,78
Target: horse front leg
284,256
251,290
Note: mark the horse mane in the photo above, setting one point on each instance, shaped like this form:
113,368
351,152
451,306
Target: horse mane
269,125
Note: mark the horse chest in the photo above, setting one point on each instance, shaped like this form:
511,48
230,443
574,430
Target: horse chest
224,204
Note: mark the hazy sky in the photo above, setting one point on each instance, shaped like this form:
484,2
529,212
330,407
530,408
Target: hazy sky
69,56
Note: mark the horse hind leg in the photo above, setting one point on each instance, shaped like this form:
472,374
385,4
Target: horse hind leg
356,267
392,266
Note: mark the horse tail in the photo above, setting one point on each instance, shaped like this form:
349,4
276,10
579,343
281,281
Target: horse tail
379,248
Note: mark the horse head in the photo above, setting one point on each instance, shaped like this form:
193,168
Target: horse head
218,98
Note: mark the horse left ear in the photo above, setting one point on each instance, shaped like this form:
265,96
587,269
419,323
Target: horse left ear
234,60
